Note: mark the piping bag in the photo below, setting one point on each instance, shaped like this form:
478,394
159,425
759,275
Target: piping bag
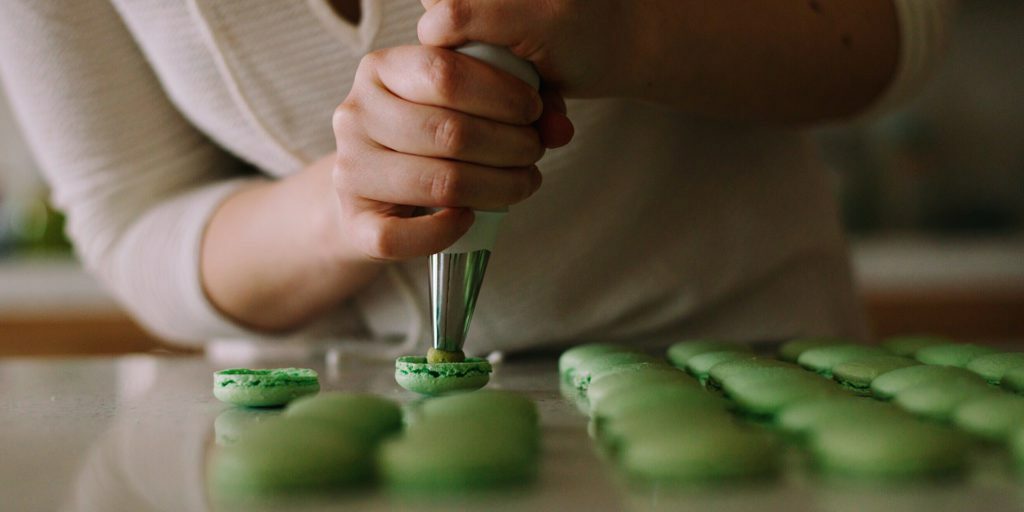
457,273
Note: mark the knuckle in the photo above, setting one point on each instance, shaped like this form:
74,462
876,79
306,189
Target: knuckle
446,185
344,117
456,13
379,243
442,73
449,134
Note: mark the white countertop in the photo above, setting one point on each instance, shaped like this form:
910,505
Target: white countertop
132,433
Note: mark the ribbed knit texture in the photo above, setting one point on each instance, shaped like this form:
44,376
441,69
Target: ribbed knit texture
146,114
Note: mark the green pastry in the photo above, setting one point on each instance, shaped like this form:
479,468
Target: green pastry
824,359
680,353
589,368
571,358
746,368
361,415
856,375
485,403
790,351
765,397
938,400
952,354
803,418
1013,380
264,387
417,375
451,456
700,365
235,421
614,432
888,448
637,400
1016,442
992,367
992,417
889,384
907,346
702,453
292,454
605,384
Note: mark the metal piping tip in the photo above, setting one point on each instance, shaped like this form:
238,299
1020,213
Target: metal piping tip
455,280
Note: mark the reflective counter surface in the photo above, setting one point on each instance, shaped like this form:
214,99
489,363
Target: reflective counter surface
133,433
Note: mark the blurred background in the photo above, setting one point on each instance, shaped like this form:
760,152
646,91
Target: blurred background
932,195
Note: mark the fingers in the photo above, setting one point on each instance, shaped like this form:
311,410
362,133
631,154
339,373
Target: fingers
451,23
444,78
394,238
554,127
394,178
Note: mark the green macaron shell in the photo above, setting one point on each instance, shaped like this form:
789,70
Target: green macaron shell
605,363
636,400
952,354
603,384
264,387
992,418
747,368
1016,442
416,375
615,432
233,422
700,365
858,374
293,454
445,456
889,448
992,367
889,384
790,351
571,358
823,359
485,403
679,353
938,400
765,397
701,454
907,346
1013,380
366,416
803,418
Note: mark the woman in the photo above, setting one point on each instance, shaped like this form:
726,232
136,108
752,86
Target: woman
190,144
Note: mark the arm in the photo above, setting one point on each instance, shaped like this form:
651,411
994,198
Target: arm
781,61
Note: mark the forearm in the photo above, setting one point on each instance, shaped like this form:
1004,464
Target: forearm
273,255
783,61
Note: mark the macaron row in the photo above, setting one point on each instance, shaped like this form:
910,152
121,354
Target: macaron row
338,441
658,425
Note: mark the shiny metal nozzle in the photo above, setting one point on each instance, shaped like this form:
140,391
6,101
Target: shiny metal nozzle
455,280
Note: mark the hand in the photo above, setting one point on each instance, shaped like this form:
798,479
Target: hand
429,127
583,48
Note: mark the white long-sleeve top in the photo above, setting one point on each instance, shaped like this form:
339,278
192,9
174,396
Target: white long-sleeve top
146,114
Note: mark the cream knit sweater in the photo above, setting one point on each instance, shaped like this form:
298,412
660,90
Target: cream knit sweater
146,114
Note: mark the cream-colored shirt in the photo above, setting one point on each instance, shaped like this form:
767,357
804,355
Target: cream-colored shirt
650,226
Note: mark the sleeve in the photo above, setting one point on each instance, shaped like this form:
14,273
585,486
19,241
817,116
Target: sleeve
137,181
925,26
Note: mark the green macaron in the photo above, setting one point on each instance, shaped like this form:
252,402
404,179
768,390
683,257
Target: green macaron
889,384
992,418
700,365
290,454
992,367
823,359
637,400
485,403
235,421
1016,442
803,418
360,415
604,363
746,368
417,375
679,353
907,346
455,456
711,452
938,400
857,375
790,351
571,358
264,387
605,384
887,448
766,396
952,354
619,430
